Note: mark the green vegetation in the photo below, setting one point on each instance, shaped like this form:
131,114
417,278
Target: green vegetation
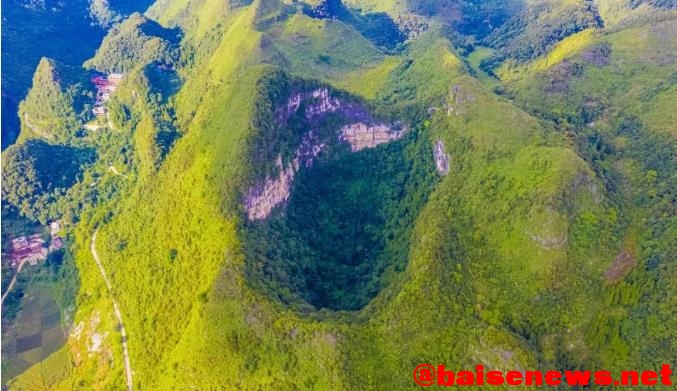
429,61
322,47
48,110
37,313
377,27
537,29
591,87
137,40
47,29
37,174
360,208
33,30
547,245
475,58
14,224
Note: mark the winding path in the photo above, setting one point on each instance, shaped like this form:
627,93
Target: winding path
35,129
116,308
11,284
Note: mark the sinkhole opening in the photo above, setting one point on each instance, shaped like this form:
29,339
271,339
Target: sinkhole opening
346,229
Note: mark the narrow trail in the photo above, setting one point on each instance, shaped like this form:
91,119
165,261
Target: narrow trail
110,123
35,129
116,308
11,284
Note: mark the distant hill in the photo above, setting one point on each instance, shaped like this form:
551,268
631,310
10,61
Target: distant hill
325,194
48,110
136,40
31,30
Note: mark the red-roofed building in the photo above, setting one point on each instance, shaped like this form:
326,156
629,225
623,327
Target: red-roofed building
31,249
105,85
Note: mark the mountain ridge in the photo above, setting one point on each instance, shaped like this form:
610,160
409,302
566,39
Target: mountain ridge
502,257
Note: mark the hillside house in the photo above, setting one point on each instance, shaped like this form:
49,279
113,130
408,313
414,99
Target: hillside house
31,248
105,85
57,242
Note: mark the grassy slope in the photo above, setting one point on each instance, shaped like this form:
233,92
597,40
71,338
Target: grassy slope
619,88
323,49
596,104
238,330
474,270
474,60
186,204
93,297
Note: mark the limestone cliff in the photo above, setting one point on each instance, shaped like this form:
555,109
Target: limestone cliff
360,130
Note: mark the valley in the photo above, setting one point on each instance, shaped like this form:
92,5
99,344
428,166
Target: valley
325,194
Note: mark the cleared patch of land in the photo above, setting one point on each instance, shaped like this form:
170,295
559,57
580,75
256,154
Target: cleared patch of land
33,335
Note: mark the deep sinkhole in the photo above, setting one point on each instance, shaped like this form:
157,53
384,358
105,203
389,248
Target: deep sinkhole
346,226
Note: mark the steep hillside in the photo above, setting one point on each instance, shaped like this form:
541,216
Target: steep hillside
306,206
136,40
32,30
536,29
64,32
48,110
606,90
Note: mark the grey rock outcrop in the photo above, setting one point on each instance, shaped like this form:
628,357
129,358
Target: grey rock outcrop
360,135
261,199
361,131
441,158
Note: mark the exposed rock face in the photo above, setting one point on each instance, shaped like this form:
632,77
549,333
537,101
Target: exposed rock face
623,264
441,158
550,242
318,103
261,199
598,55
583,182
411,25
360,135
362,131
562,75
455,101
324,103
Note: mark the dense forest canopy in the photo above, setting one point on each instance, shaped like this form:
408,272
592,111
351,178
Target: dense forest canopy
324,194
360,210
36,174
136,40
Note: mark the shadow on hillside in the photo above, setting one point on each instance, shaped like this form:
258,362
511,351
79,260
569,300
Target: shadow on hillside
127,7
378,27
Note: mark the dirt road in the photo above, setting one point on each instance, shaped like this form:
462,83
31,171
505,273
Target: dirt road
116,309
11,284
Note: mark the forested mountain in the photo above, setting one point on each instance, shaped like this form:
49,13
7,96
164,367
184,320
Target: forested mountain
65,31
324,194
32,30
